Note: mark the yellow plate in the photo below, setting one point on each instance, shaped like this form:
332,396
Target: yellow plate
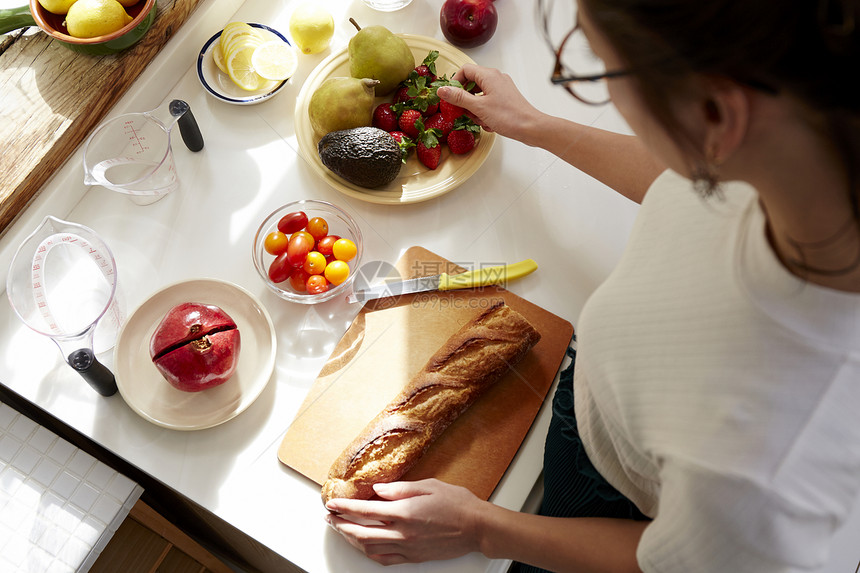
415,183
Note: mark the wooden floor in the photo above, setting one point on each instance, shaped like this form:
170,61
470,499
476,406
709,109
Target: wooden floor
148,543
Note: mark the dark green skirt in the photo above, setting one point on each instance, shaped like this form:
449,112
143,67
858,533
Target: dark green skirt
572,486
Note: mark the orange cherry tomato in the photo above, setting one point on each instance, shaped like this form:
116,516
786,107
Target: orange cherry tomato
336,272
316,284
276,243
305,234
299,280
344,249
315,263
318,227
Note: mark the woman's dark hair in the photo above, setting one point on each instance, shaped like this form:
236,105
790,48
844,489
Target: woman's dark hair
809,49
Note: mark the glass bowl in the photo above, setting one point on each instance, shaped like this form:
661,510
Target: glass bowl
339,223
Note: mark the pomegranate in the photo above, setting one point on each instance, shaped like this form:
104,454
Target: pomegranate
195,346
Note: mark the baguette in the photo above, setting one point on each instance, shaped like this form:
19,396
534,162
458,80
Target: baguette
471,361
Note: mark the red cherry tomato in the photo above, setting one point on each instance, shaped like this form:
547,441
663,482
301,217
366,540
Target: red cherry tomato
276,243
325,245
292,222
314,263
318,227
299,280
316,284
299,247
280,269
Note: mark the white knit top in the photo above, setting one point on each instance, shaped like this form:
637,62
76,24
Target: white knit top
719,392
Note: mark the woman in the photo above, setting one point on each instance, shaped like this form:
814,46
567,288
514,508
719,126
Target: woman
718,371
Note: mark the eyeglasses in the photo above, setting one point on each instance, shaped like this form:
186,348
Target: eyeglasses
588,83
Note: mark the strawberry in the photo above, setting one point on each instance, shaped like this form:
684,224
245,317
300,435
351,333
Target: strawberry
425,71
384,117
450,110
421,93
402,94
428,149
429,156
407,122
461,141
427,68
462,138
442,123
404,142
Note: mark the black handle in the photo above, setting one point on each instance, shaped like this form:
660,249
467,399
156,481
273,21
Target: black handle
188,128
94,372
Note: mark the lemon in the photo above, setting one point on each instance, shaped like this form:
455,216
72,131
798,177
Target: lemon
311,27
56,6
241,69
275,60
128,3
91,18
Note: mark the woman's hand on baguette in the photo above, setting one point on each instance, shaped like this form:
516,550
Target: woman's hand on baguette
420,521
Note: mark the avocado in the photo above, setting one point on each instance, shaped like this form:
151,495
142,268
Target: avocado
366,156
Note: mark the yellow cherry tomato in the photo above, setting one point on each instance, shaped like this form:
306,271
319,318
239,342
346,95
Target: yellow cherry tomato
336,272
315,263
276,243
344,249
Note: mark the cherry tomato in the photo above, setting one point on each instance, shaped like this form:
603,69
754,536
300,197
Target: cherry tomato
315,263
316,284
276,243
344,249
307,235
299,247
280,269
299,280
336,272
292,222
318,227
325,244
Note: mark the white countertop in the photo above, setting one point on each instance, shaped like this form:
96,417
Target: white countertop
523,203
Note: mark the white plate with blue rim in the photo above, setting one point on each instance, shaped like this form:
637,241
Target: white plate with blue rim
221,87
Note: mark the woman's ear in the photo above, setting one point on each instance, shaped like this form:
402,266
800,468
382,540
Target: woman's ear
725,112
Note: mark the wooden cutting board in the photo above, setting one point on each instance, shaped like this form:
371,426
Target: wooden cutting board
388,342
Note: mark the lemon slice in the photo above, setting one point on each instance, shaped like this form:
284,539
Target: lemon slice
235,30
241,69
218,57
275,60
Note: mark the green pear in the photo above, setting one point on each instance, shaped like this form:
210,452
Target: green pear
342,103
374,52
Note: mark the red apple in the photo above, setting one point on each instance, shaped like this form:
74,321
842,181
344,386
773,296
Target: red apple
468,23
195,346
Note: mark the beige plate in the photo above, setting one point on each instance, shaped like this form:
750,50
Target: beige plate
415,182
148,393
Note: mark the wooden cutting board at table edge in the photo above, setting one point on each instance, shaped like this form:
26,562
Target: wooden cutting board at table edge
387,343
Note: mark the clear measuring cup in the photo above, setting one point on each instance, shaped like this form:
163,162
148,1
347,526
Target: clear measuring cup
131,153
62,283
